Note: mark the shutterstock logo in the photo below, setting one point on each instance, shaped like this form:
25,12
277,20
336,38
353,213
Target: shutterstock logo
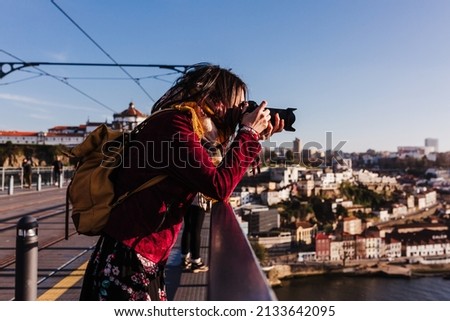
313,153
179,151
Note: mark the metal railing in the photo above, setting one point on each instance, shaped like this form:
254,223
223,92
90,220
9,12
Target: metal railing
44,172
235,273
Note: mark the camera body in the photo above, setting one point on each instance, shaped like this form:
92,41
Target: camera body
286,114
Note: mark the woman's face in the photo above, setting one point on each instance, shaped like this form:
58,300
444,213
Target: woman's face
238,99
224,111
220,108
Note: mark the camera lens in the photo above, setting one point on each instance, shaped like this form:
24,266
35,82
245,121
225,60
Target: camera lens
286,114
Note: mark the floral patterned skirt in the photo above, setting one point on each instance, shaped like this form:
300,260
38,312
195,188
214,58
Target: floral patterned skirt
116,272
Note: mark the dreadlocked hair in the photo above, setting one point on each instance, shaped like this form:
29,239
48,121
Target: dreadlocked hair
208,85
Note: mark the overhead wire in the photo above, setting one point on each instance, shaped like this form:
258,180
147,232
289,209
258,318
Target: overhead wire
21,80
63,80
157,77
101,49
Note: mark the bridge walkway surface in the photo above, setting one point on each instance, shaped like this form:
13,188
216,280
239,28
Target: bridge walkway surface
61,263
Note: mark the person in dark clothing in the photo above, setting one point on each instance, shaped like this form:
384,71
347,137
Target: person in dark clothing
27,172
195,215
191,238
57,170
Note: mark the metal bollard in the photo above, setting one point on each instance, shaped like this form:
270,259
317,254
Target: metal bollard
3,179
26,259
39,183
60,180
11,185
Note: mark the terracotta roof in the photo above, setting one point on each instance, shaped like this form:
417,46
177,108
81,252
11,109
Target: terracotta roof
59,127
372,231
131,111
304,224
16,133
65,135
321,236
351,218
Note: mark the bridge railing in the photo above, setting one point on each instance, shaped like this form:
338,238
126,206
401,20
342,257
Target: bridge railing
46,173
235,273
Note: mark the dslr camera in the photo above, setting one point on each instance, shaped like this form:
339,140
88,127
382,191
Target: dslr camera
286,114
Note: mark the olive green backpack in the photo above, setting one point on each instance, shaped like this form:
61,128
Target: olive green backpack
91,189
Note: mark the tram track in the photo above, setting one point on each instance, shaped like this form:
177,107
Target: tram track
8,206
43,217
11,221
57,256
51,275
11,259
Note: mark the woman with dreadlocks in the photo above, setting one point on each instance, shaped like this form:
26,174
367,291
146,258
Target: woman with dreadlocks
206,104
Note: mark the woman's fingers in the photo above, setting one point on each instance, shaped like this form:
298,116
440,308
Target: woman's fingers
272,128
260,121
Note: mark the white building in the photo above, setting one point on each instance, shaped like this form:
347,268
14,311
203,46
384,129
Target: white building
336,250
280,241
411,151
399,210
40,138
383,215
128,119
241,198
393,249
367,178
352,225
433,143
273,197
72,135
306,256
431,248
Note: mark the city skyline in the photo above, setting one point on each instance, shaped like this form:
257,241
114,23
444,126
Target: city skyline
431,145
372,73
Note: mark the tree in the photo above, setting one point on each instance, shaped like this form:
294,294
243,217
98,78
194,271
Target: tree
322,210
260,251
361,194
341,211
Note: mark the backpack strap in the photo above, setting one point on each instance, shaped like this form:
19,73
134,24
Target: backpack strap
155,180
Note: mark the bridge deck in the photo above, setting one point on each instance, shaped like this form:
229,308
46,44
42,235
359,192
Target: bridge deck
61,266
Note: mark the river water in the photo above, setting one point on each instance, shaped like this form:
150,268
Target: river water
346,288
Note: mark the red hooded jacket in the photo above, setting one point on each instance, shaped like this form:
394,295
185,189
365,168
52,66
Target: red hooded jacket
150,220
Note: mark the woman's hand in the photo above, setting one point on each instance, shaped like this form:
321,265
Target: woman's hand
271,129
259,120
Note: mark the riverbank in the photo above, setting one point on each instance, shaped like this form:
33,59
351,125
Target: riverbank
277,273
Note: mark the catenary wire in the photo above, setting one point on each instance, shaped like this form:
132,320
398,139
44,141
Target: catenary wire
101,49
64,81
21,80
157,77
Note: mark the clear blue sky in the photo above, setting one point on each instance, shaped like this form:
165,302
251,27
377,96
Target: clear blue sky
375,73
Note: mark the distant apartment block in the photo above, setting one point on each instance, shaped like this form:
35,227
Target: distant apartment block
323,248
279,241
352,225
303,232
431,147
409,240
297,149
262,221
432,143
